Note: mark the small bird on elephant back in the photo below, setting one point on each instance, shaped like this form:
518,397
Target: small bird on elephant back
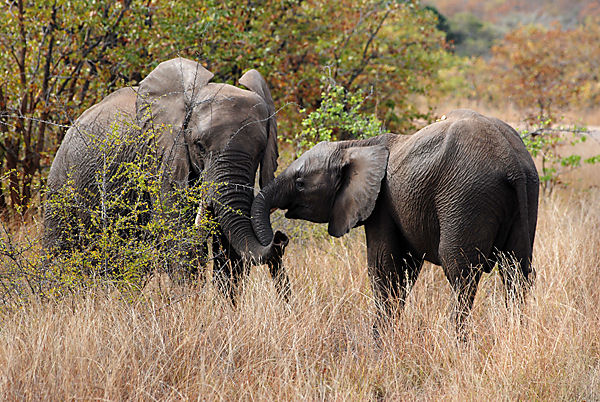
461,193
196,133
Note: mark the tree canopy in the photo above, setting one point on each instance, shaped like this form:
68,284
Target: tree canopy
59,57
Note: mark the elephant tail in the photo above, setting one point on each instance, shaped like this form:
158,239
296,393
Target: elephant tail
523,229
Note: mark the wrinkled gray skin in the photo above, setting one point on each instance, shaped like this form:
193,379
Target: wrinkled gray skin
456,193
219,133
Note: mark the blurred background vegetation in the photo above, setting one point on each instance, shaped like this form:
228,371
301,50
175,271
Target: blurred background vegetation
404,62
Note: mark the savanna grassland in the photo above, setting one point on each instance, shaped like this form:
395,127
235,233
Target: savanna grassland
183,342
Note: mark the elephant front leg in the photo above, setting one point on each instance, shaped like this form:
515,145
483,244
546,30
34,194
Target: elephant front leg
186,261
280,276
393,268
228,268
199,268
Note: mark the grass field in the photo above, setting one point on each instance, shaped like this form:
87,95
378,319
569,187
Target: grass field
176,343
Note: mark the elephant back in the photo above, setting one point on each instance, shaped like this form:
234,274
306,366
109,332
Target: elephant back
115,112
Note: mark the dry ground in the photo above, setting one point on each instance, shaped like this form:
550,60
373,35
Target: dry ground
181,343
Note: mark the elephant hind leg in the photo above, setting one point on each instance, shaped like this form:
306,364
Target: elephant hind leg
463,271
514,261
281,278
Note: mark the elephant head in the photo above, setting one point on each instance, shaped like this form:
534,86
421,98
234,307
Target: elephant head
217,131
334,183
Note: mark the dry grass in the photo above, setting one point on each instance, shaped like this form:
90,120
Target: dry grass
181,343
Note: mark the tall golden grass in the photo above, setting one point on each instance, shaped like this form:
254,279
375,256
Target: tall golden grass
179,343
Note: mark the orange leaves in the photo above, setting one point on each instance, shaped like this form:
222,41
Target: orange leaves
542,69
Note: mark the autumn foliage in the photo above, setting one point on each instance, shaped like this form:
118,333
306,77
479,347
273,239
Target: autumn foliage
543,71
59,57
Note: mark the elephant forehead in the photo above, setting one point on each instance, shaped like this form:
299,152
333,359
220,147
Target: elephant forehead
223,119
226,120
225,104
314,160
225,96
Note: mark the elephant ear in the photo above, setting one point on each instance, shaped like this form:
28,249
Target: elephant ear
256,83
166,95
362,172
164,104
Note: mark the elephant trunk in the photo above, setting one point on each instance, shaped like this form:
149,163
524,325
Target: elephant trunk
271,196
232,203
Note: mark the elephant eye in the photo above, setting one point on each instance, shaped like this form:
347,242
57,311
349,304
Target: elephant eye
198,144
299,184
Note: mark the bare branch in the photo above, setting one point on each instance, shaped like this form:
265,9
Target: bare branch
365,57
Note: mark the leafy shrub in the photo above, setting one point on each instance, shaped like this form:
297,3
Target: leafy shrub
339,117
542,140
128,222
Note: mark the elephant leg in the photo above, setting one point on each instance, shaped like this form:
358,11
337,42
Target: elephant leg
228,268
280,277
184,261
393,268
199,268
463,271
515,267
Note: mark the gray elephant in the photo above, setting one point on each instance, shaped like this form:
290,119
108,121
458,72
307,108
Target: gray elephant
200,131
459,193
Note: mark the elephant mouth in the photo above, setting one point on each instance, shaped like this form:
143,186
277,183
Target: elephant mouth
289,213
306,213
297,212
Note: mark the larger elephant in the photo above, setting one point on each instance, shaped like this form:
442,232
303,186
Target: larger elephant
460,193
217,133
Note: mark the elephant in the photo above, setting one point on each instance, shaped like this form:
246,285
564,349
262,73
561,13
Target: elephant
461,193
201,132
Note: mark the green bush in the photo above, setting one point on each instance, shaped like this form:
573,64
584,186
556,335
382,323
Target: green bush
128,223
339,117
542,140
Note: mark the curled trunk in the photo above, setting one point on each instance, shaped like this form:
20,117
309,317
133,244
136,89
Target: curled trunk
271,196
232,203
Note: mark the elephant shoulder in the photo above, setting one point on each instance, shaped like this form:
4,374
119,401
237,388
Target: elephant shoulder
415,153
424,143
